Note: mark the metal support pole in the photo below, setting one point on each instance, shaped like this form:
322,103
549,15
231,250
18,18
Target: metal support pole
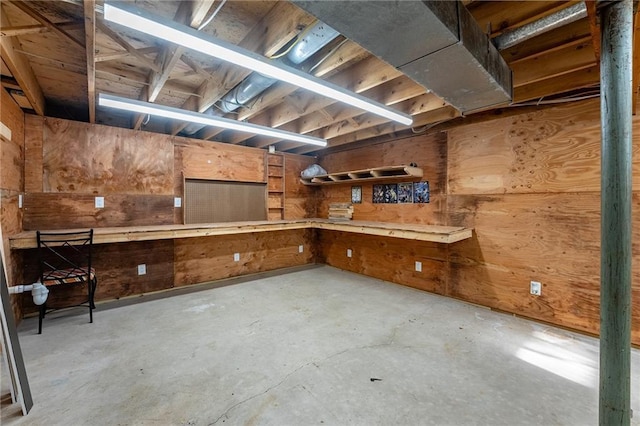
615,258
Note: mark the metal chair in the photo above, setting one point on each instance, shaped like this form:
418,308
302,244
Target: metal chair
65,259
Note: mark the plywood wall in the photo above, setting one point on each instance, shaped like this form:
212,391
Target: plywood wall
529,185
11,185
299,200
69,163
429,152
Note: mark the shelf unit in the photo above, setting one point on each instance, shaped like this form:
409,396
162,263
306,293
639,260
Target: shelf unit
366,175
275,186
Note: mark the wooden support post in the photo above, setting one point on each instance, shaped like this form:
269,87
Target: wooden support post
615,259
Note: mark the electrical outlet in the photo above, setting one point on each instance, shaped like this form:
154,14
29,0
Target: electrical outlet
236,257
300,248
142,269
349,253
536,288
177,202
99,202
418,266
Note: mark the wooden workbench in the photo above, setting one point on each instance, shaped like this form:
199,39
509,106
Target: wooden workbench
433,233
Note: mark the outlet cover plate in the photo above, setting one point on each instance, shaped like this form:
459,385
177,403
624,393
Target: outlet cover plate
535,288
300,248
99,202
418,266
142,269
349,253
236,257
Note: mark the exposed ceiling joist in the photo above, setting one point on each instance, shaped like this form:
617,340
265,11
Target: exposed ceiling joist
90,47
37,29
21,69
278,26
126,45
46,22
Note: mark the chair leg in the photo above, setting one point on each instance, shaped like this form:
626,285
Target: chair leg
41,316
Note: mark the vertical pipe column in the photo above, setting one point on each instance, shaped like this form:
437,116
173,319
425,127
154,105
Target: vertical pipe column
615,258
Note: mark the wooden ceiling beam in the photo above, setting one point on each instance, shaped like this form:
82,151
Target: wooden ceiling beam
280,24
46,22
199,11
90,47
369,75
359,77
126,45
110,56
594,27
21,69
38,28
578,79
555,63
169,56
430,117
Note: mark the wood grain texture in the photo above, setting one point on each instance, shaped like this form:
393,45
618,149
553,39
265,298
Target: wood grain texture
68,210
429,152
388,259
94,159
116,268
217,161
206,259
11,224
11,151
11,184
299,200
552,150
34,130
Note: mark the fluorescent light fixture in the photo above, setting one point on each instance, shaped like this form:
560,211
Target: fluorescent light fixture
134,105
190,38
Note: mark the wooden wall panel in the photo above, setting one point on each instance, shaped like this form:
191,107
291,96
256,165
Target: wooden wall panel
95,159
206,259
116,267
550,150
390,259
429,152
299,200
59,211
11,184
217,161
34,131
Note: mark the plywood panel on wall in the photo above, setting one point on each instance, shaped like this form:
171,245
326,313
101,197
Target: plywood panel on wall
79,211
550,150
390,259
300,201
429,152
94,159
205,259
217,161
34,130
116,267
11,184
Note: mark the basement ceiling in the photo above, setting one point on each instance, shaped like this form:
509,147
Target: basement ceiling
57,56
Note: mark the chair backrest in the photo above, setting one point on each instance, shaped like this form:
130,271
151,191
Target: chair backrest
64,251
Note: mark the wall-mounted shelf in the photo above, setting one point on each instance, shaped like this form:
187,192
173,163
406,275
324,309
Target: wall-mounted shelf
375,174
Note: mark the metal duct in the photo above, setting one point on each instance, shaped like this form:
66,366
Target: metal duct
436,43
313,39
548,23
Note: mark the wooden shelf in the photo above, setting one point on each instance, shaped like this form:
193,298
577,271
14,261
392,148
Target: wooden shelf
438,234
368,175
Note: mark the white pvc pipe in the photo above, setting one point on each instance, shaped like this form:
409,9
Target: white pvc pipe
38,291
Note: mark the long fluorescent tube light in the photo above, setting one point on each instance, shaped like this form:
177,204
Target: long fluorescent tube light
190,38
135,105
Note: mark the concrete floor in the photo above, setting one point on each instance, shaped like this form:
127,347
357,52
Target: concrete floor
319,346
